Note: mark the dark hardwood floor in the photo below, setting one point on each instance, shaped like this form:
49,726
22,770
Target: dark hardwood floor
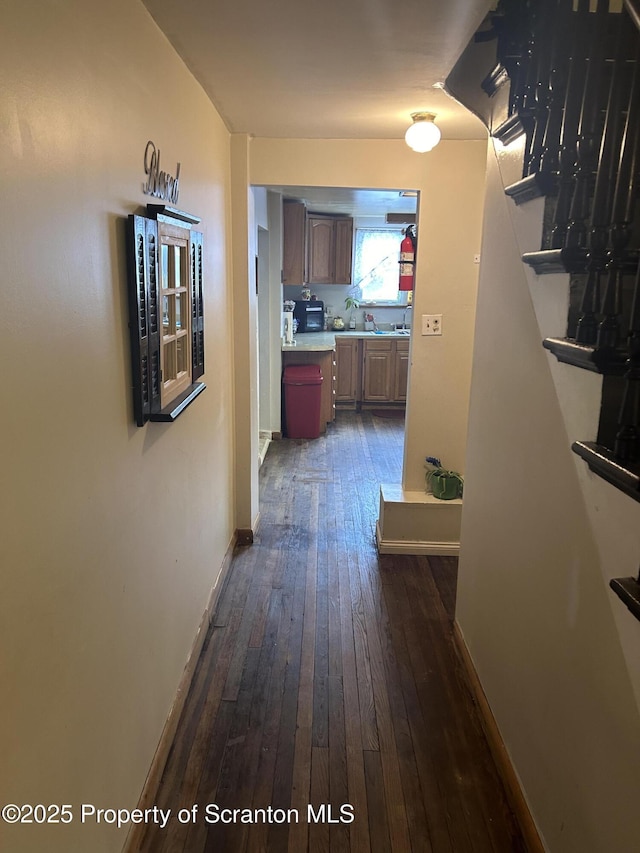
329,676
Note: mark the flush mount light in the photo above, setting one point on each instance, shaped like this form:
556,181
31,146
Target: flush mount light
424,134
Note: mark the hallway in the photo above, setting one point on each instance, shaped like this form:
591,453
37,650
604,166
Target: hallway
329,676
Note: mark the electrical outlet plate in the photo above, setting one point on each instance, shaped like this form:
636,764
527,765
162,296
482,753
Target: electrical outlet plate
432,324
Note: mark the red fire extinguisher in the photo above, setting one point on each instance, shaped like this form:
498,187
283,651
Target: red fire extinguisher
407,258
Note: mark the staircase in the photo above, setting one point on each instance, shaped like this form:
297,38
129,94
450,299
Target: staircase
563,78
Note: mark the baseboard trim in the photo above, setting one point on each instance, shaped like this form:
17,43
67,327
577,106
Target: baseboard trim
152,783
498,749
414,547
244,536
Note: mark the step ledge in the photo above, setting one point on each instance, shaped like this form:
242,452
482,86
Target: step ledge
628,591
533,186
587,357
574,260
494,80
603,463
509,130
552,261
395,493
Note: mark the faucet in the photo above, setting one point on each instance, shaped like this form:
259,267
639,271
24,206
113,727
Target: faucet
404,316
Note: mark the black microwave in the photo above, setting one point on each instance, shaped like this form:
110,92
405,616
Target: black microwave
310,315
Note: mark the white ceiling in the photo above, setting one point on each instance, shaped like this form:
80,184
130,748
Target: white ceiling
341,69
352,202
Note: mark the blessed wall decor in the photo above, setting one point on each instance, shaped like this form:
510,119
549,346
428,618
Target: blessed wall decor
159,184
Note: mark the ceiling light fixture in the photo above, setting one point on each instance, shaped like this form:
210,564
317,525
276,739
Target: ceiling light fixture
424,134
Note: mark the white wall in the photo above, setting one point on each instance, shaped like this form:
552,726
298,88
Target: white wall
112,536
264,312
244,229
274,204
451,181
541,624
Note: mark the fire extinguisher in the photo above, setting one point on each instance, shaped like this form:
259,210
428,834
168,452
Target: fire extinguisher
407,258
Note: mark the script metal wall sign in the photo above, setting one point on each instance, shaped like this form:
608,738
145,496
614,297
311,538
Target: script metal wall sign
159,184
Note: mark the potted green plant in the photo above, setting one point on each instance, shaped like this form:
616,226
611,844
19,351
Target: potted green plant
442,483
350,304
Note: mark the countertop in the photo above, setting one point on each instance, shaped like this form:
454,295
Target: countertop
324,341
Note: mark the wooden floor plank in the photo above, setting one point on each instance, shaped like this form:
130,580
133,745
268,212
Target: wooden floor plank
396,809
319,832
378,825
301,787
359,829
338,779
329,678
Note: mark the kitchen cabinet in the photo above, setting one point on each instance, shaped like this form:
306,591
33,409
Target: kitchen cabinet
325,360
347,369
329,248
343,249
401,371
294,225
316,247
377,371
385,371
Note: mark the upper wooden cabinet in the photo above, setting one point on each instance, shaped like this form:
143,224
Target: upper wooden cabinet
344,247
320,249
294,223
316,247
329,245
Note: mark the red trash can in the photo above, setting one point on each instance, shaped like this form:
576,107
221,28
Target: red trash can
302,394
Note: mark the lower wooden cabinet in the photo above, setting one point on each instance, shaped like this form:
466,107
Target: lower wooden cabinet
385,371
401,371
371,371
377,371
347,369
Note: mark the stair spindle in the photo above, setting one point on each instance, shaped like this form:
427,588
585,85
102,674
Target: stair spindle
627,441
570,124
551,75
510,22
627,178
536,104
623,205
589,136
607,332
558,78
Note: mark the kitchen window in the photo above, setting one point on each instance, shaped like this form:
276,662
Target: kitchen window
376,265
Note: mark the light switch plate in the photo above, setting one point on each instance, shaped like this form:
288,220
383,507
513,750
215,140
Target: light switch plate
432,324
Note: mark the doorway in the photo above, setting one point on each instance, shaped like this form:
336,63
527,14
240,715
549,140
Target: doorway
372,211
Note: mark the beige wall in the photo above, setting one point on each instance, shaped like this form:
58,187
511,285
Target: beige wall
451,181
112,536
533,602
